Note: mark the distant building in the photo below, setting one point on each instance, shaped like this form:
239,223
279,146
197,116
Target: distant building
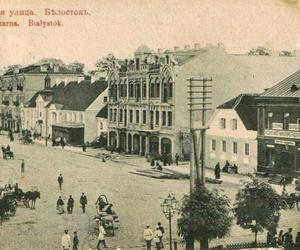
279,127
148,110
66,110
19,85
232,134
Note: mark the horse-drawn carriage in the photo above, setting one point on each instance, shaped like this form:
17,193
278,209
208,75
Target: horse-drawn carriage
106,215
291,200
26,137
7,203
7,153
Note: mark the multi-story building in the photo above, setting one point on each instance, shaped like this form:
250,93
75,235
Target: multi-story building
66,110
148,110
279,127
232,134
19,85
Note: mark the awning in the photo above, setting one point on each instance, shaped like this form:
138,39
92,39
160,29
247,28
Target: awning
68,125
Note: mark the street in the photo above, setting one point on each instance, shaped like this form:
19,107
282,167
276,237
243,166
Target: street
136,199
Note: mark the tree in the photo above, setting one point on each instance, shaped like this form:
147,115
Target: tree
11,68
260,51
204,215
258,207
53,61
106,64
76,66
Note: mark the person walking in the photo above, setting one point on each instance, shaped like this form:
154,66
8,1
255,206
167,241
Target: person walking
101,236
157,236
217,171
66,241
84,147
75,241
176,158
148,236
83,202
22,168
60,181
70,204
162,234
280,238
60,205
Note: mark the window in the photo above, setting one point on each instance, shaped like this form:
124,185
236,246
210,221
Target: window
213,145
130,115
234,147
234,124
170,89
144,117
137,63
169,118
222,123
115,115
121,115
137,116
286,121
156,117
152,89
101,125
269,120
157,88
110,114
247,149
164,118
224,146
131,90
144,90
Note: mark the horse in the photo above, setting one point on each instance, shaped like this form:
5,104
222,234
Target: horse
32,196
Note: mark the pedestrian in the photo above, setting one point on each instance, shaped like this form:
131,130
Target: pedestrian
8,148
162,234
156,237
288,238
62,142
84,147
297,241
83,202
60,205
70,204
66,241
75,241
101,236
60,181
176,158
22,168
217,171
280,238
148,236
225,169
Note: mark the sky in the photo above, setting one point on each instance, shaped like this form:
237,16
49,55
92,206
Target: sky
120,26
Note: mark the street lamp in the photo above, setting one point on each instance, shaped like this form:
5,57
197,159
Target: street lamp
169,207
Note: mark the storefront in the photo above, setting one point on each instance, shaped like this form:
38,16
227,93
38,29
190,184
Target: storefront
278,155
72,132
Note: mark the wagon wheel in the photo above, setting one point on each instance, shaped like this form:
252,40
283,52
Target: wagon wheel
291,204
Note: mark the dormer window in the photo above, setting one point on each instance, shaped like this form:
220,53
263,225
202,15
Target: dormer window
286,121
137,64
167,59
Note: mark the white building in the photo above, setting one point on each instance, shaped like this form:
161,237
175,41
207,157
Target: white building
232,134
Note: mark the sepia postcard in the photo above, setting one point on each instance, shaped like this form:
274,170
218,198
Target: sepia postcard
156,124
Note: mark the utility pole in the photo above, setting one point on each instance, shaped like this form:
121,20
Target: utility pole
198,103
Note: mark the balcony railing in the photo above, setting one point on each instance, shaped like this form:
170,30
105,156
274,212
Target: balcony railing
282,133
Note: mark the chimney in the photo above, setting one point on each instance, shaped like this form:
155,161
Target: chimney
197,46
176,48
16,70
160,50
187,47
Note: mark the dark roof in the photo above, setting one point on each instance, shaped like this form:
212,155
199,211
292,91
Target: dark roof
36,68
288,87
72,96
246,107
103,112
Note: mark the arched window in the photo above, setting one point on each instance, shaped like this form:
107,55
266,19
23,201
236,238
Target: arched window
54,117
152,87
165,90
170,83
131,89
157,87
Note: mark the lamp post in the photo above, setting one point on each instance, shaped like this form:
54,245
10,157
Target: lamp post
169,207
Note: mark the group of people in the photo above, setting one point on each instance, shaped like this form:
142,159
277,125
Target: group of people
156,236
66,241
228,168
70,203
283,239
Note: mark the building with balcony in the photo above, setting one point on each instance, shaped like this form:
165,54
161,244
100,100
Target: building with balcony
232,134
148,109
19,85
279,127
66,110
